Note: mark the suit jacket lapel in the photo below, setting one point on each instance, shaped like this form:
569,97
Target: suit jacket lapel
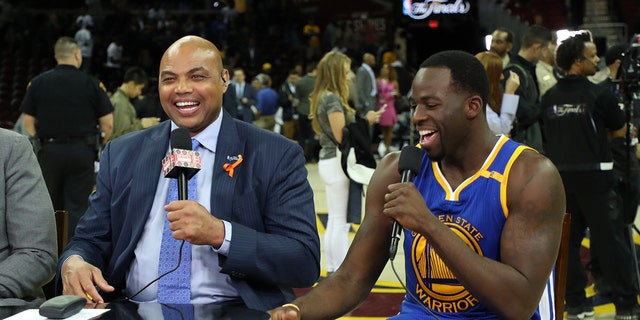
229,146
145,175
144,182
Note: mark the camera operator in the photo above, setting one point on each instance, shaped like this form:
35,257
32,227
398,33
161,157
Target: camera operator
626,168
579,118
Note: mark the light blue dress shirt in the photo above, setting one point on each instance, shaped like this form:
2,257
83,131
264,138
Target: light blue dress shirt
208,285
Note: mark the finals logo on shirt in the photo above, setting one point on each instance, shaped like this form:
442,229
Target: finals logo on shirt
437,288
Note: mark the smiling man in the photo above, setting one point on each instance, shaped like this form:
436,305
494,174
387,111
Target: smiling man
482,220
251,232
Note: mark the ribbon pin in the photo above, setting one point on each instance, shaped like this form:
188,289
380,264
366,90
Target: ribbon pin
229,167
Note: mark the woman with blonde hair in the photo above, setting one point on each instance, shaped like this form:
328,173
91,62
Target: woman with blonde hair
502,106
330,112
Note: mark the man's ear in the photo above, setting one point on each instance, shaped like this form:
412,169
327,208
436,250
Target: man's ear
78,56
473,107
225,79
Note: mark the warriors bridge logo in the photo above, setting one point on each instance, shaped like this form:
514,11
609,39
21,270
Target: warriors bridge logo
423,9
437,287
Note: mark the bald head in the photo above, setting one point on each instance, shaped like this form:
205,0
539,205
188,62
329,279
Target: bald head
195,45
67,51
191,83
369,59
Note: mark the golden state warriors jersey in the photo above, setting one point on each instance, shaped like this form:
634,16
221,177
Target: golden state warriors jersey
475,211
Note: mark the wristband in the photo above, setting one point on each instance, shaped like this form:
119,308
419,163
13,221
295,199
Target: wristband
291,305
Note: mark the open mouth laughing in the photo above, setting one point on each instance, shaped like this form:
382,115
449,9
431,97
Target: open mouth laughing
187,106
427,137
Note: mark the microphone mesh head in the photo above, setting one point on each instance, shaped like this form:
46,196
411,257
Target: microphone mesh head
180,139
410,159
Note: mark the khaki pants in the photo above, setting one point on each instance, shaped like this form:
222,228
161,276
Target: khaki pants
266,122
289,129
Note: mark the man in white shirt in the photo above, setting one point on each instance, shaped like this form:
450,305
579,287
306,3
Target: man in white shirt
85,41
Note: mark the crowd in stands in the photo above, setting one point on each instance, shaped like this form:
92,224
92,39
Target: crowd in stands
270,37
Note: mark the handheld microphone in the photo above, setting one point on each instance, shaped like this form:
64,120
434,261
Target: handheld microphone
182,162
408,166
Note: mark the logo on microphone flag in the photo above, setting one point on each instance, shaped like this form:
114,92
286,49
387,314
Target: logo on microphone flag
181,158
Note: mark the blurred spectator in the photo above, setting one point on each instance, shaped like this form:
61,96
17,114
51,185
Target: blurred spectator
502,105
526,128
266,104
113,65
124,114
304,87
546,68
245,95
366,87
286,100
229,100
311,32
387,93
266,68
502,43
85,41
148,104
404,78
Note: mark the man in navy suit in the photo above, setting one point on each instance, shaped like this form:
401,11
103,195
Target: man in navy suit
252,229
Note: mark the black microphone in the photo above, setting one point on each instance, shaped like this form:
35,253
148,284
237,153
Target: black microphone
408,166
182,162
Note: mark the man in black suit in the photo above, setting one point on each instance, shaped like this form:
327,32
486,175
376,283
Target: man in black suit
246,96
230,102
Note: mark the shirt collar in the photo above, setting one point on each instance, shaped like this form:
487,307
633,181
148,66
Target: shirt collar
367,67
208,137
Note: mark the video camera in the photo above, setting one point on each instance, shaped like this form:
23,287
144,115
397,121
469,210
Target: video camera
630,66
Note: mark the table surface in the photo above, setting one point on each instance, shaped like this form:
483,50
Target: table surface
153,310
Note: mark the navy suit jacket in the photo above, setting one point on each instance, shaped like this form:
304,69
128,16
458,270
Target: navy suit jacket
269,202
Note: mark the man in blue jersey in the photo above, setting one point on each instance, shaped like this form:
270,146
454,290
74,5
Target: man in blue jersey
482,220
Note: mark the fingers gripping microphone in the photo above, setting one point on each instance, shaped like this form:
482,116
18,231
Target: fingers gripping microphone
408,166
181,162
